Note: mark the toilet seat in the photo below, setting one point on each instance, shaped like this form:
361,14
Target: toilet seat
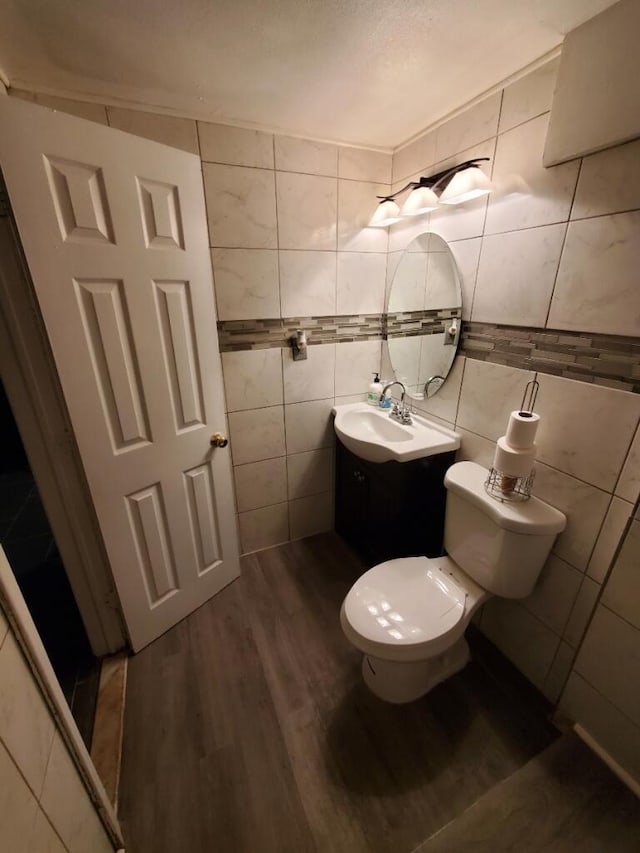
409,609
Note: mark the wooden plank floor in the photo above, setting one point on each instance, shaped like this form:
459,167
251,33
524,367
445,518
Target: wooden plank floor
564,799
247,727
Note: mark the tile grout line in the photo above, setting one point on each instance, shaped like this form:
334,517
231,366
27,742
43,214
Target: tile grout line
564,243
565,679
323,175
497,134
627,453
600,603
601,695
284,350
36,797
567,221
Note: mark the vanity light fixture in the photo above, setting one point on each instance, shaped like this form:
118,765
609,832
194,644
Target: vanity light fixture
421,200
451,186
386,213
465,185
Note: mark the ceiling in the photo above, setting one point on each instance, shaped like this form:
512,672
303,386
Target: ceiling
365,72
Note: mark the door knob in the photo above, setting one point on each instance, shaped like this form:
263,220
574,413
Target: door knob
218,440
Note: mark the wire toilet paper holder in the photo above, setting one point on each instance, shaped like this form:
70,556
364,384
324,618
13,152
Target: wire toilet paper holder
502,486
529,398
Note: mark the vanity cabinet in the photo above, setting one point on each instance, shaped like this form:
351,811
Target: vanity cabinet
391,509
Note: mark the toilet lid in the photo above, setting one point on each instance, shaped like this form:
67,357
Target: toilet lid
405,601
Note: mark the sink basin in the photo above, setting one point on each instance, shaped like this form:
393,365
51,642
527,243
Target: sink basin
372,435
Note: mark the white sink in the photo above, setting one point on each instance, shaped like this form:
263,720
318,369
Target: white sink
372,435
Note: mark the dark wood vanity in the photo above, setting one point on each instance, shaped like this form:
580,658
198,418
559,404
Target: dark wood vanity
391,509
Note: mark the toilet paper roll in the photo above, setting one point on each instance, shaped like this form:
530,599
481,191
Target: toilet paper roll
521,430
511,461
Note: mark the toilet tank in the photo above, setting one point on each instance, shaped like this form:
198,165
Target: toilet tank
502,546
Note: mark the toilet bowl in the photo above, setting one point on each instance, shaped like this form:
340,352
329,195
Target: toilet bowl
408,616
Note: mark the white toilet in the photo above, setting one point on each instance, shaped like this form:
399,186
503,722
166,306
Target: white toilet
409,615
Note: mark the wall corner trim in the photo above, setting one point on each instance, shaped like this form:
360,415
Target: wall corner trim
611,763
15,610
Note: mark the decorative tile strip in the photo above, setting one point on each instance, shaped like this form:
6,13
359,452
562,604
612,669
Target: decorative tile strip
250,334
262,334
336,329
404,324
610,360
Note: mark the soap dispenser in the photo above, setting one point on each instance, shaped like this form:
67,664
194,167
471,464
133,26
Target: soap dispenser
375,390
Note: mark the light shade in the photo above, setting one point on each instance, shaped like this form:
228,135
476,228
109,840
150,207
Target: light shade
421,200
387,212
511,185
465,185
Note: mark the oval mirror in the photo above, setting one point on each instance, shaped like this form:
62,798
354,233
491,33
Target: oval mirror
424,315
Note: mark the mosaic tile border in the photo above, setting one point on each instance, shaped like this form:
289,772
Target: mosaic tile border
609,360
404,324
262,334
326,329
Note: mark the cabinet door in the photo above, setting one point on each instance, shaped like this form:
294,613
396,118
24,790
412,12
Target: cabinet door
387,511
391,509
352,498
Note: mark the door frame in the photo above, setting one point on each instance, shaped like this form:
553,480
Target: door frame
15,610
33,389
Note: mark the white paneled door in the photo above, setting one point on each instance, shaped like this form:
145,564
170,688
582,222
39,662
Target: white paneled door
115,234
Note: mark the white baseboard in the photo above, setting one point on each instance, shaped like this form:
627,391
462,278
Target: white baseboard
611,763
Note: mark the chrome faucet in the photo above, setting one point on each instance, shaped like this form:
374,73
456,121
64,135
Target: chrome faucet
428,383
399,412
390,385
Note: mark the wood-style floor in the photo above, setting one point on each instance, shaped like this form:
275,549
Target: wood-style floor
565,800
247,727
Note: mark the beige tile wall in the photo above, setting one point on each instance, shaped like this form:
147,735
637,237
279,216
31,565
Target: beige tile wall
603,692
287,224
564,255
44,805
